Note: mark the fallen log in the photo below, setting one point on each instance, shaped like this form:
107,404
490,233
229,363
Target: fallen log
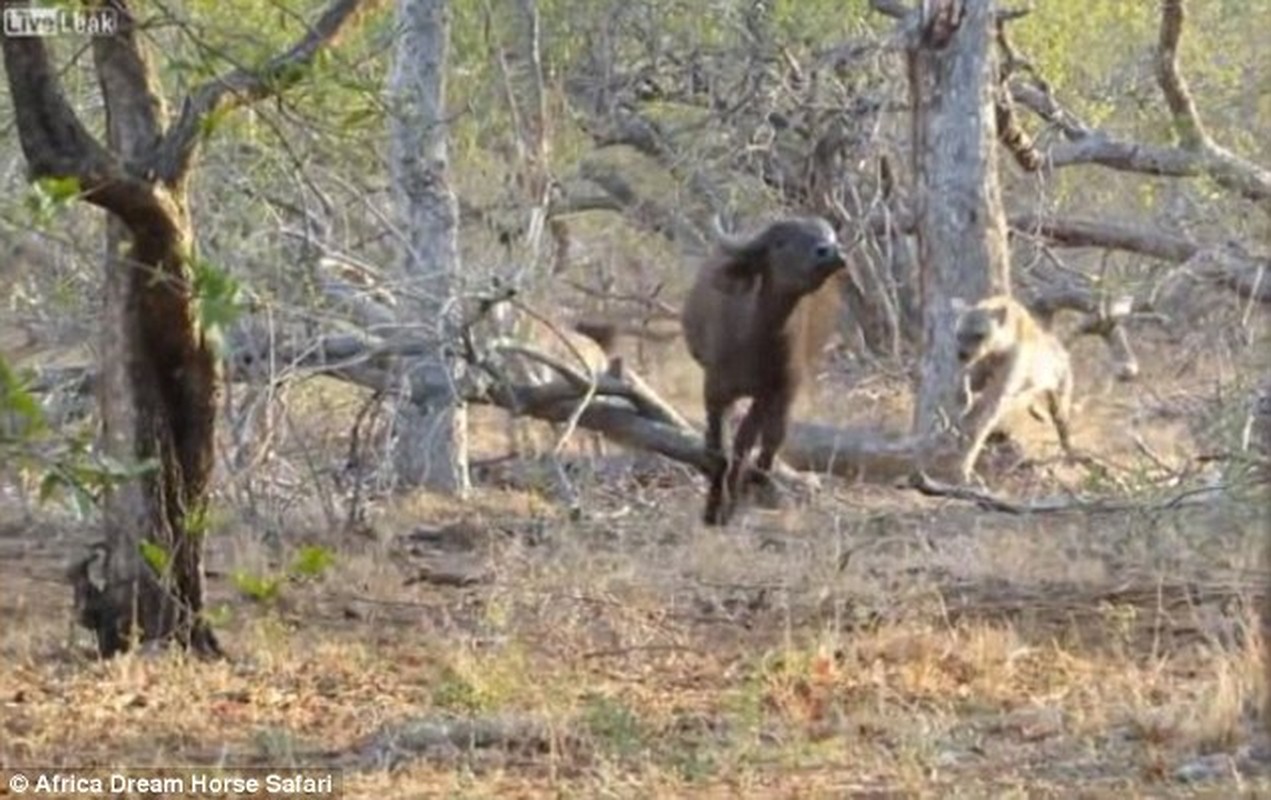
624,409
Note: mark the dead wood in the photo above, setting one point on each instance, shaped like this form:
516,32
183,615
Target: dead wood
624,409
989,501
1196,154
431,737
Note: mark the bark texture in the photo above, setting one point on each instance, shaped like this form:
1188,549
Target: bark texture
431,439
961,228
159,381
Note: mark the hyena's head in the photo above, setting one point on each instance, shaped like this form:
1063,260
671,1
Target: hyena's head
981,329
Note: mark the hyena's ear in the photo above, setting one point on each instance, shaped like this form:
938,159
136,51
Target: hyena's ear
1000,314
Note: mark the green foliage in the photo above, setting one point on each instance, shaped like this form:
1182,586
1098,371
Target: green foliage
310,561
616,726
48,196
212,121
199,520
218,298
263,589
219,615
69,466
20,414
85,476
156,555
454,692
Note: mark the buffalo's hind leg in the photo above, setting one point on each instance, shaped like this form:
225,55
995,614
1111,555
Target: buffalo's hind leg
716,501
772,434
743,443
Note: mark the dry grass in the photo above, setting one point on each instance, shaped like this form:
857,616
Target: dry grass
872,642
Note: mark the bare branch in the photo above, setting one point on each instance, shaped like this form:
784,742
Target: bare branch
1039,99
56,144
1052,505
1076,232
243,86
1012,135
645,212
130,85
1227,264
1099,148
895,9
652,139
1177,96
1198,154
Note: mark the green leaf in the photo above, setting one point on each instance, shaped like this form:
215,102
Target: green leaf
61,477
218,616
156,556
210,122
59,190
261,588
311,561
21,416
218,296
49,195
359,116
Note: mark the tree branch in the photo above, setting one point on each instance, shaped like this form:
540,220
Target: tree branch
243,86
645,212
1104,150
896,9
129,84
1198,153
1177,96
57,145
1077,232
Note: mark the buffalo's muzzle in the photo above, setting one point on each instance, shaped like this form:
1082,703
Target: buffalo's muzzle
830,257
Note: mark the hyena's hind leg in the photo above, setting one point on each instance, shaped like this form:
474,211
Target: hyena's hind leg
1059,404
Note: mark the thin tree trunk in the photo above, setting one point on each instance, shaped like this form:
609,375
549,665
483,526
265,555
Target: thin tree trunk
431,443
538,171
962,247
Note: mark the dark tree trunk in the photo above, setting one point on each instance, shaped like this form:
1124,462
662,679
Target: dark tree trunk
166,415
160,375
961,229
159,396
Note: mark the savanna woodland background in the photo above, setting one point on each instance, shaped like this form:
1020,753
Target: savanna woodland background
253,253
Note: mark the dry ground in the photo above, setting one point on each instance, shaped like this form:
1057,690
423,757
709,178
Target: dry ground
869,642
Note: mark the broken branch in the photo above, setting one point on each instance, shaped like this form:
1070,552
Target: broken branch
242,86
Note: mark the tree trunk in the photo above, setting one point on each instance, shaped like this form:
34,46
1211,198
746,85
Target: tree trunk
1260,441
537,178
159,377
167,378
158,396
431,447
962,247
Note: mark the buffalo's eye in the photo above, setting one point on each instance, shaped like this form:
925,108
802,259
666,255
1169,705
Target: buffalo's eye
824,251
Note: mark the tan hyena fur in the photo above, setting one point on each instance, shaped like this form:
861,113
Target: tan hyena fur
1009,361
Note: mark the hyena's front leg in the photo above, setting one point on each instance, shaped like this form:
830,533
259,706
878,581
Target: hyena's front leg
980,421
